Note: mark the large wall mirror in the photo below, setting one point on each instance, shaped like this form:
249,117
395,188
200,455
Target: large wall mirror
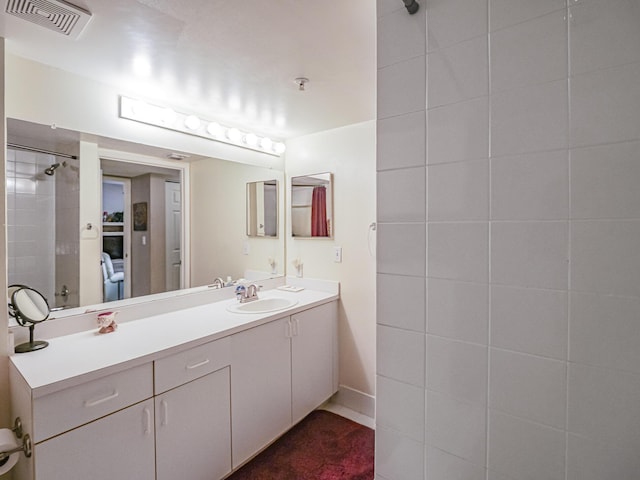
262,209
312,206
143,233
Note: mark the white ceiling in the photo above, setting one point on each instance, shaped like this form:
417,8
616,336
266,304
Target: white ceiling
234,61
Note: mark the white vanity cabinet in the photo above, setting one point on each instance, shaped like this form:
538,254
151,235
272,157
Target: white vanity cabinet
187,410
120,445
280,372
314,366
260,387
101,429
193,419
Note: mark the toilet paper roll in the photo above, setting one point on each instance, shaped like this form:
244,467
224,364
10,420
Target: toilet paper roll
8,442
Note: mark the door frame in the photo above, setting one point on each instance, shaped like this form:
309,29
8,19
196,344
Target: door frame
183,169
126,228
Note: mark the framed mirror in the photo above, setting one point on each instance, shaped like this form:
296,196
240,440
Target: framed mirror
262,209
312,206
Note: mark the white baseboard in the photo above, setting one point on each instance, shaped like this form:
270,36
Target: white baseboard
355,400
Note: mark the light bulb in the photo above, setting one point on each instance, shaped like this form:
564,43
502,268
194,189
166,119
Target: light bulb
279,148
192,122
167,116
266,143
215,129
251,139
234,135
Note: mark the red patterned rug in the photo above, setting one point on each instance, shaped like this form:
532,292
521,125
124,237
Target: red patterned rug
323,446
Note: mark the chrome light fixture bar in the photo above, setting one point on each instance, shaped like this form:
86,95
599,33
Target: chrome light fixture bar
164,117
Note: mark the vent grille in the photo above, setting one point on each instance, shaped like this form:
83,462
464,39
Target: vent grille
56,15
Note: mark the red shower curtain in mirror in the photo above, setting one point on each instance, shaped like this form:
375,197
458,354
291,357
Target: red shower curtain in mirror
319,212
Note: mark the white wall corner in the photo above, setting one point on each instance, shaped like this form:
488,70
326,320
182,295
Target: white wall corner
355,400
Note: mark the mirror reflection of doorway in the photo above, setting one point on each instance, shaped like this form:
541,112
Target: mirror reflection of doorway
116,240
153,254
173,233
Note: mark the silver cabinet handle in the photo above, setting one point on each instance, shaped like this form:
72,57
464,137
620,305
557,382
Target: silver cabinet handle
295,323
288,333
165,412
146,423
198,365
98,401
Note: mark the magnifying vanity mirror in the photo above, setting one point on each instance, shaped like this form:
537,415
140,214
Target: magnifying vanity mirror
262,209
28,307
312,206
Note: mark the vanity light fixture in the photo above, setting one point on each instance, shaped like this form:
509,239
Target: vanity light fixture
164,117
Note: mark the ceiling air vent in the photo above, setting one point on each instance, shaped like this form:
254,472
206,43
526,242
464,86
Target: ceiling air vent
56,15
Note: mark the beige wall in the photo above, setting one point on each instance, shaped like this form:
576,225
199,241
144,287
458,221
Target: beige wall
148,256
218,203
349,153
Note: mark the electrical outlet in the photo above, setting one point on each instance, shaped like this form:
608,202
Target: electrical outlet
337,254
245,248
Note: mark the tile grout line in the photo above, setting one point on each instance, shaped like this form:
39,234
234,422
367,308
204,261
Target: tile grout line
569,283
490,216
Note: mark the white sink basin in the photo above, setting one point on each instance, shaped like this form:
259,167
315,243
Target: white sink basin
262,305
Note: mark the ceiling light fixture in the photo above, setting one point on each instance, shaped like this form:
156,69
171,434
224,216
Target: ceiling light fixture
164,117
301,82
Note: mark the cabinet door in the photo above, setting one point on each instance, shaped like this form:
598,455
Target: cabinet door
260,387
193,429
313,353
120,445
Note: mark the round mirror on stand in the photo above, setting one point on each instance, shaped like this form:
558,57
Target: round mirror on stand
28,307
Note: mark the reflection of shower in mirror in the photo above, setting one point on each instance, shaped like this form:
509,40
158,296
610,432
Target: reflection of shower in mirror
52,168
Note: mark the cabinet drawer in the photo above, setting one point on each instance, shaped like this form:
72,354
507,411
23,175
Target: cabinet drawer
183,367
75,406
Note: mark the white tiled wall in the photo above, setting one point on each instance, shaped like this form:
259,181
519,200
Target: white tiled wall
31,221
508,244
43,222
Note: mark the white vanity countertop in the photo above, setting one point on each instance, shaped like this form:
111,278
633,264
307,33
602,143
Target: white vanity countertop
84,356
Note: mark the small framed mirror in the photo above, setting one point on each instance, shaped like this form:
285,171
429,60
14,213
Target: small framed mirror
29,307
312,206
262,209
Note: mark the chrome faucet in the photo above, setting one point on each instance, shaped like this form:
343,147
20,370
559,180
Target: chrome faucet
249,293
217,283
